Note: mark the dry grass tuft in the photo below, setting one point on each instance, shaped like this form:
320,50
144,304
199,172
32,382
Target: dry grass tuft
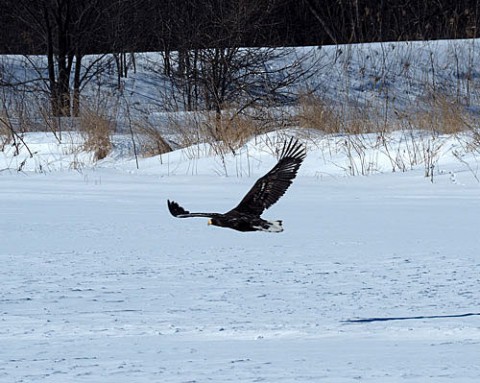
226,132
151,140
361,121
230,131
315,113
442,116
5,131
96,128
185,127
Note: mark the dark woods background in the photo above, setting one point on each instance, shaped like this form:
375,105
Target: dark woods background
105,26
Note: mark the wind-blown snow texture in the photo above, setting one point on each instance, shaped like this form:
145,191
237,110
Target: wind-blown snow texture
101,284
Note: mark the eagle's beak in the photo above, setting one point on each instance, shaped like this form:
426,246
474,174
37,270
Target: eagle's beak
210,222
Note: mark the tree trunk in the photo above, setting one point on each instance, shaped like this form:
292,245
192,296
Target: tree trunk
51,65
76,85
64,60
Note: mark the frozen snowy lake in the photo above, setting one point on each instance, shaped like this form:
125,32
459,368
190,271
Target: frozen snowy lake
101,284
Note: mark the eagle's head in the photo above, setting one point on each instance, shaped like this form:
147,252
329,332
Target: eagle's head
214,222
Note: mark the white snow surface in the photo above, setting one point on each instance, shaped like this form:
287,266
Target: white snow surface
374,279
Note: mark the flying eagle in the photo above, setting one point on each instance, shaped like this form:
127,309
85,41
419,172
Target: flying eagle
266,191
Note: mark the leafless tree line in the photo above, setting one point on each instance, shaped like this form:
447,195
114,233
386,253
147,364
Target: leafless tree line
205,42
153,25
202,47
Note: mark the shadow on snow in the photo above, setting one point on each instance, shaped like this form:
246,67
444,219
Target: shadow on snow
387,319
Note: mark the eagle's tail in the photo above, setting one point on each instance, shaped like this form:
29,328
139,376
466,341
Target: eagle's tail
276,226
272,226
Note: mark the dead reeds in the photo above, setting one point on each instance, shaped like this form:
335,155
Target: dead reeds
96,127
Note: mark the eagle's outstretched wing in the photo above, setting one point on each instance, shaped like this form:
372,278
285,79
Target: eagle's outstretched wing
177,211
268,189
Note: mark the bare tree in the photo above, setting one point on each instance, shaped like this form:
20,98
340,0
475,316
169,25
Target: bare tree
212,68
68,30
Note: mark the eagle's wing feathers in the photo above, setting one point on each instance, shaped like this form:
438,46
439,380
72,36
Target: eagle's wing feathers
177,211
269,188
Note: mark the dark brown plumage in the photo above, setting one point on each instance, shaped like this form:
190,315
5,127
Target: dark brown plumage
264,193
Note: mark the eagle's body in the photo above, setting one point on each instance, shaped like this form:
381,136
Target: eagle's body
247,223
266,191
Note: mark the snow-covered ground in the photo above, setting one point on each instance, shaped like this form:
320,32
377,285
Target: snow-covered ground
374,279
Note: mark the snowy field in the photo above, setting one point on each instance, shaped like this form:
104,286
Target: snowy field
374,279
